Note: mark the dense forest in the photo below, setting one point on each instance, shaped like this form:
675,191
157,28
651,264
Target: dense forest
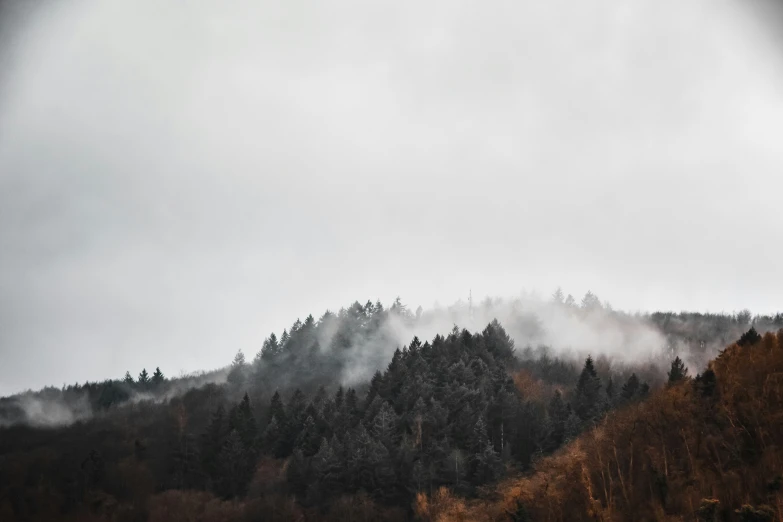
333,420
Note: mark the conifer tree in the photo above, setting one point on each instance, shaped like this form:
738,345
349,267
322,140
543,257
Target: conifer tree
144,378
587,393
157,377
630,388
678,371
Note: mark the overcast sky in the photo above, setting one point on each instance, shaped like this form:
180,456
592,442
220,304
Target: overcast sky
177,180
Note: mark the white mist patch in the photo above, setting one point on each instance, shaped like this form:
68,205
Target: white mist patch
566,330
43,412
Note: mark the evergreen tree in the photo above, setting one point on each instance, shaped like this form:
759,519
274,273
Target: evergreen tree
212,443
678,371
235,467
587,404
573,426
630,388
236,374
610,392
144,378
590,301
128,379
749,338
558,414
157,377
276,408
242,420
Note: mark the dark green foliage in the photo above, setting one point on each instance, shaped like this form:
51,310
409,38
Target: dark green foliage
157,377
144,378
706,383
236,375
678,371
749,338
442,413
587,396
630,388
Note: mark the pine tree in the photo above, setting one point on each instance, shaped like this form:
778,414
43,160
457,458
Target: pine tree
236,468
157,377
384,424
485,465
144,378
590,301
236,375
212,442
242,420
309,439
678,371
749,338
276,408
630,388
128,379
587,394
610,393
573,426
558,414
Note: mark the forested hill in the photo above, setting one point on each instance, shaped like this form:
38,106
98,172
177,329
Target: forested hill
347,347
708,448
285,437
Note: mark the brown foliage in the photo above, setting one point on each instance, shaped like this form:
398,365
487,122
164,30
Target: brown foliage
532,388
661,459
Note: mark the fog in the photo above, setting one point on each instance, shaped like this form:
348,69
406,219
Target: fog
176,181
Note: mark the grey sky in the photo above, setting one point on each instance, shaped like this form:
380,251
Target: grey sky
178,181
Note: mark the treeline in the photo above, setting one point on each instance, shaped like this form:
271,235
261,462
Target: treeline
451,413
53,406
299,431
349,346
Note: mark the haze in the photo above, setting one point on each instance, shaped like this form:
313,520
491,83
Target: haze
178,181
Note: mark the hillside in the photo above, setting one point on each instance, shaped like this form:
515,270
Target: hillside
332,421
709,448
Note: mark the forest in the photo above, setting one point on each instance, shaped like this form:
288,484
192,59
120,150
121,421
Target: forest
333,420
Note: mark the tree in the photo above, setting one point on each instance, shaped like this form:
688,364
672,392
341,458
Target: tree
383,426
128,379
630,388
144,378
236,468
558,415
610,392
271,348
587,404
236,375
558,296
242,420
678,371
749,338
157,377
212,443
590,301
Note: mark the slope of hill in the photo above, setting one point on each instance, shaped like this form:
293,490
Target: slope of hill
307,430
708,449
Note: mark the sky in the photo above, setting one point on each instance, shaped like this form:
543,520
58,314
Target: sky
179,180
